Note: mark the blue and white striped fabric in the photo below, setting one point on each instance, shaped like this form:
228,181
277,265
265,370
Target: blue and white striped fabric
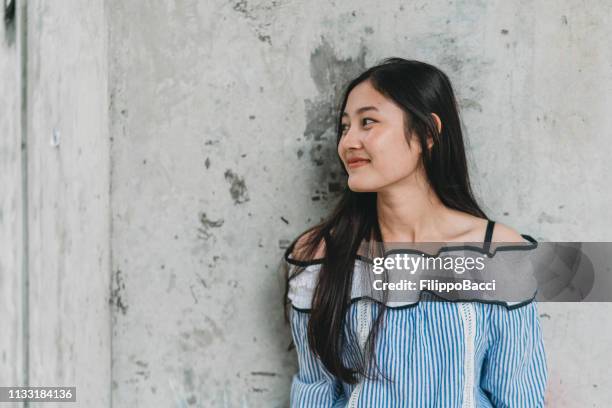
436,353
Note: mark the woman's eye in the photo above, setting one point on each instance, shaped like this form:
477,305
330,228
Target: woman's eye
365,119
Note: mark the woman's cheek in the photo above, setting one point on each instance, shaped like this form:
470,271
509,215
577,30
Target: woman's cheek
389,172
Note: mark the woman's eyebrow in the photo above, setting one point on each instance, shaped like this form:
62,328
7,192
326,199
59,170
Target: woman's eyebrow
361,110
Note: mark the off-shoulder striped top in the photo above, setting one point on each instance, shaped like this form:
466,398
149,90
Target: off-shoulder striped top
435,353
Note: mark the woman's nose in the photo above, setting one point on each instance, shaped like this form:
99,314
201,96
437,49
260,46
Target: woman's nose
352,139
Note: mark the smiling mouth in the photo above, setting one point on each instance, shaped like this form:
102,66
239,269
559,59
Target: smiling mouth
358,163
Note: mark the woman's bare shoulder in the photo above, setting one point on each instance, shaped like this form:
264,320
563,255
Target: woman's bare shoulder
477,228
504,233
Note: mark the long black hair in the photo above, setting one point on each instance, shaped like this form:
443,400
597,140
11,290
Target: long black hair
419,89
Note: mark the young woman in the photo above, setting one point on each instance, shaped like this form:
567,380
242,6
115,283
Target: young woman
400,143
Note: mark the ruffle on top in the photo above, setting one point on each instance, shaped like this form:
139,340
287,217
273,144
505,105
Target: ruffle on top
512,268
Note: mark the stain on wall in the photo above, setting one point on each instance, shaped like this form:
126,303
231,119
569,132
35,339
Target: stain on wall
238,189
116,298
330,74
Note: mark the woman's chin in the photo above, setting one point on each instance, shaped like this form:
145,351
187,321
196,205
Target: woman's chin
360,187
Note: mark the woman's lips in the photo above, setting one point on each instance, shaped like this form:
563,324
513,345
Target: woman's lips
358,163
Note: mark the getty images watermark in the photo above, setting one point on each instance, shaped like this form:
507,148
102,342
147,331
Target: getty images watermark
411,264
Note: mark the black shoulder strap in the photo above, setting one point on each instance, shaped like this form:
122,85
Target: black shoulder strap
489,234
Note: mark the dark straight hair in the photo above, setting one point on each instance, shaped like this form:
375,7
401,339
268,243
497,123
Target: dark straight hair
419,89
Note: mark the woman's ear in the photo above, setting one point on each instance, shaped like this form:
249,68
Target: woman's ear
438,123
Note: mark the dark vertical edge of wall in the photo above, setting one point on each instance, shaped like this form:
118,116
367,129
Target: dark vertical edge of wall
22,32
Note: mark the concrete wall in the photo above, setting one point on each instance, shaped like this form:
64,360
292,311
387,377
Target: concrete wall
67,327
196,141
223,151
195,219
68,190
11,209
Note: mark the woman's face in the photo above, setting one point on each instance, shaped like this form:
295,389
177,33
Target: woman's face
373,130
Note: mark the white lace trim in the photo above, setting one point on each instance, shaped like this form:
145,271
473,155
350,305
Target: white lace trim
468,316
364,315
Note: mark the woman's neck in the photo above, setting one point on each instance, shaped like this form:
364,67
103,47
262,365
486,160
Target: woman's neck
410,212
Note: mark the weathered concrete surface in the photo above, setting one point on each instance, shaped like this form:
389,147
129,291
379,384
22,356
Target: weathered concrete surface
209,124
223,151
69,198
11,238
194,124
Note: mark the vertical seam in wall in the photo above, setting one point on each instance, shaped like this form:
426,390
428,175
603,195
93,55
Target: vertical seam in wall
23,119
109,112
